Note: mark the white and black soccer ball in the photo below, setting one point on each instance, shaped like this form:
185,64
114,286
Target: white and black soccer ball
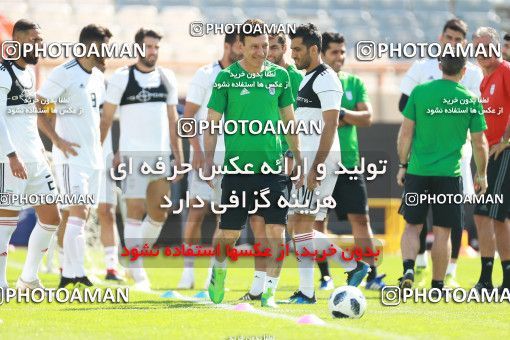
347,302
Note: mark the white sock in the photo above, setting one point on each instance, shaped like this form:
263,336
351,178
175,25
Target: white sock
257,286
69,254
422,260
133,238
151,230
323,242
219,264
189,261
7,227
305,263
74,250
38,244
271,283
110,257
61,257
452,269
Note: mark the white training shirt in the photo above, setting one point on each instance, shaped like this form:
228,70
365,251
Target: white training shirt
425,70
328,90
143,126
199,92
85,93
20,133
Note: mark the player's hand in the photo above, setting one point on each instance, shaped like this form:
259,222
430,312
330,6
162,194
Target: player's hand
298,169
311,180
207,172
198,160
480,184
178,166
497,149
116,160
401,176
67,147
17,167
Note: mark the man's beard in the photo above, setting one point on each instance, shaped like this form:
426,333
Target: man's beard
148,63
277,61
233,57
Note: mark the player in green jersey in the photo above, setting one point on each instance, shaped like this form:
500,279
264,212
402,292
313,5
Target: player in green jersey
277,50
252,89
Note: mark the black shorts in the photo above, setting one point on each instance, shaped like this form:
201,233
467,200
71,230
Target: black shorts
235,218
498,178
350,196
445,213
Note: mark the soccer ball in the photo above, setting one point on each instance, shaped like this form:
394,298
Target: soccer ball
347,302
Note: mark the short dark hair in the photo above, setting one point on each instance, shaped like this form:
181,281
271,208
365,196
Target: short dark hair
310,35
231,38
93,32
251,28
507,37
331,37
457,25
145,32
280,38
24,25
452,65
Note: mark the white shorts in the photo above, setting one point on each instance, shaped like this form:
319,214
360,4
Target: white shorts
301,196
79,180
465,169
107,192
197,187
135,184
40,181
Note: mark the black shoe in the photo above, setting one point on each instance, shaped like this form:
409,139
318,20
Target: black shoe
83,281
299,298
112,275
484,285
65,281
407,280
249,297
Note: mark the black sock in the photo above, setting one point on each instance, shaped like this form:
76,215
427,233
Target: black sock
408,264
324,268
506,273
438,284
373,273
486,273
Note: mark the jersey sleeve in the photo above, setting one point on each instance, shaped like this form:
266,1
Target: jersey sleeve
6,145
411,79
55,84
171,83
361,92
219,95
477,123
116,86
197,90
328,88
410,109
286,97
5,79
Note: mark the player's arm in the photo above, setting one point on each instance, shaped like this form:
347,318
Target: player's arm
175,139
45,124
404,142
210,140
481,156
17,167
107,119
361,117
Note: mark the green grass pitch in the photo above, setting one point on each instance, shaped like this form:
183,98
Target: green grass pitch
149,316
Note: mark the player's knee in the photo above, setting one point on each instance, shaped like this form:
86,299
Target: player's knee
80,211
